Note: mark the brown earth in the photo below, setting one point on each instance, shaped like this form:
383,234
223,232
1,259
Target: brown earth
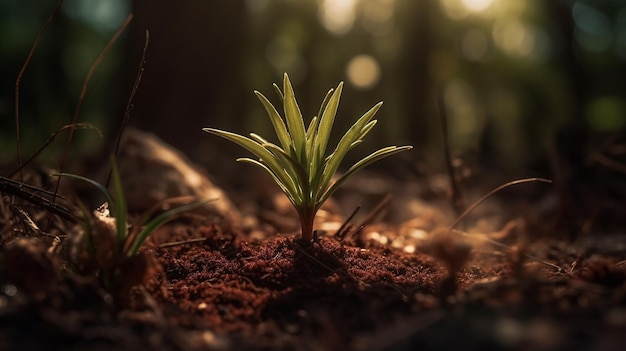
401,282
225,291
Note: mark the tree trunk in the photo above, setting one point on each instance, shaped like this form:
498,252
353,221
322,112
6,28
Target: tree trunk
192,77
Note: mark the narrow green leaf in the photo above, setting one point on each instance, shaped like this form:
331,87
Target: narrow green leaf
311,131
119,210
311,142
277,121
254,147
279,93
373,157
327,120
257,138
295,123
159,220
355,143
325,101
257,149
287,187
315,155
290,165
285,160
117,204
345,144
99,186
367,128
316,168
293,168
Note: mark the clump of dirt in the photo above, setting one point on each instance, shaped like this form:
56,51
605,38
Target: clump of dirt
382,287
281,284
220,289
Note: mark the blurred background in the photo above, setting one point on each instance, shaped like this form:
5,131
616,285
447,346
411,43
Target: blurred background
522,82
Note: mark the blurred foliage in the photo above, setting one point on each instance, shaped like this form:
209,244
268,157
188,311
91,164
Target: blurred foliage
511,73
51,84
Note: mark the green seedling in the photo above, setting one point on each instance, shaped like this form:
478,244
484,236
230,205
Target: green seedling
111,243
300,165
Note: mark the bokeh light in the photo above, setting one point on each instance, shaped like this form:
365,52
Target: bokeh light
459,9
454,9
378,16
337,16
593,30
104,16
474,45
477,5
513,37
523,40
606,113
500,64
620,33
363,71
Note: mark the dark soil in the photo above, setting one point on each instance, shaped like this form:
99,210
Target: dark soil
213,288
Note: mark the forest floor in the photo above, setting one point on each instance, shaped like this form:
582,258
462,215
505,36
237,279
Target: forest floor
401,281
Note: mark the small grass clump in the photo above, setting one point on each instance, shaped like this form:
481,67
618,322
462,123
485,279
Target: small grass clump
111,244
300,165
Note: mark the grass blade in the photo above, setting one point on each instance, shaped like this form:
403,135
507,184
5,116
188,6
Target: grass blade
367,128
327,119
279,93
254,147
287,162
119,209
311,144
373,157
301,181
277,122
161,219
325,101
258,150
345,144
117,205
289,187
99,186
295,123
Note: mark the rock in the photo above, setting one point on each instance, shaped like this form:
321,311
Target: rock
153,171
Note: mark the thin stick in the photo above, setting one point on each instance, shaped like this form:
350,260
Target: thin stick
50,140
489,194
457,196
504,246
133,92
382,204
129,103
82,96
340,232
18,80
347,231
182,242
17,189
28,222
609,163
6,183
